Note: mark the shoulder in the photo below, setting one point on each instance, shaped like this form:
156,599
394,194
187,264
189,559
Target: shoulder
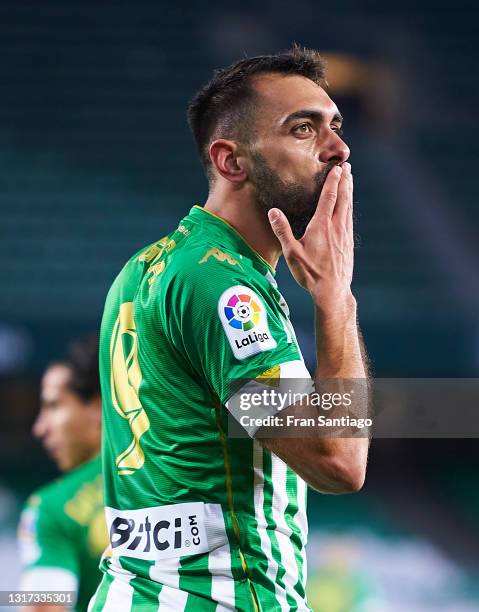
53,496
49,496
41,520
207,266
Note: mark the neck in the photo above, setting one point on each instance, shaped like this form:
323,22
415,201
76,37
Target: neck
240,210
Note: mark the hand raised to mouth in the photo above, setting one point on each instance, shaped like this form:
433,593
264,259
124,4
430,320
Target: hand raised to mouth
322,260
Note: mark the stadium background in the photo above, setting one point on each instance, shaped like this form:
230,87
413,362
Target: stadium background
96,161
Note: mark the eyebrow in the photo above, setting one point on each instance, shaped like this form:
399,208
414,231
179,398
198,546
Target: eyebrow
310,114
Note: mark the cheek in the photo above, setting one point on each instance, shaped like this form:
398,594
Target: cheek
294,161
66,422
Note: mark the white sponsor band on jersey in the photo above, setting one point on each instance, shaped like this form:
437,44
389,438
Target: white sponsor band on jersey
160,532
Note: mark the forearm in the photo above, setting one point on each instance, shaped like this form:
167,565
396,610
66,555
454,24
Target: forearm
341,356
339,351
331,466
333,461
322,262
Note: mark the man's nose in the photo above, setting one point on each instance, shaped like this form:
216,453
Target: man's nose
39,426
334,150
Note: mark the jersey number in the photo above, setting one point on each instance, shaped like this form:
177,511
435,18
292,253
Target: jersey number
125,383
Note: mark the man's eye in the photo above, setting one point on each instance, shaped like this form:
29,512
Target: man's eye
302,128
337,130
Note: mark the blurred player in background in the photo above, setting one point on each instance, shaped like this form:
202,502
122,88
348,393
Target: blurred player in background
62,530
199,520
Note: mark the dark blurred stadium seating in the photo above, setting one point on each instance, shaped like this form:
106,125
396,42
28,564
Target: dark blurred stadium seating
96,161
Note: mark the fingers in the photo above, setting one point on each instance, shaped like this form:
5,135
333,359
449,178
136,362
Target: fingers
345,194
327,199
281,229
349,216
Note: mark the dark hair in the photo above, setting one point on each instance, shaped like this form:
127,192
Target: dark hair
222,108
82,360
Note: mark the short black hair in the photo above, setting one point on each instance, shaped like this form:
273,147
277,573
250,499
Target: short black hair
82,361
222,108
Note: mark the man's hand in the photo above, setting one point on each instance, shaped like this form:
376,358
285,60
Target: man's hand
322,260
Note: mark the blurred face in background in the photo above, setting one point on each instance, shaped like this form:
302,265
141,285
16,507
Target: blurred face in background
69,428
297,141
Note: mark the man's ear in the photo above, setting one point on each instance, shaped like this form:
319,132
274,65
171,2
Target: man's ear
225,158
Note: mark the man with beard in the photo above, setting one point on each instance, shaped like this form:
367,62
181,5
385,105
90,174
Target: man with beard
199,519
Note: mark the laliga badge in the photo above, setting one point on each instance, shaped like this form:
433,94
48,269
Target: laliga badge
245,322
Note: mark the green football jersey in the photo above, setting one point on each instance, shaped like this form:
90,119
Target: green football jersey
197,520
62,534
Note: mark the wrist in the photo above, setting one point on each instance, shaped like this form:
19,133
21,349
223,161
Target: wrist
335,306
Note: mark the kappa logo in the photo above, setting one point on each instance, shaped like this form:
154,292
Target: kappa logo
244,320
220,256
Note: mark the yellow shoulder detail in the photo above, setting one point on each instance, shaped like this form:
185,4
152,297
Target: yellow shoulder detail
155,250
153,254
85,502
271,376
155,271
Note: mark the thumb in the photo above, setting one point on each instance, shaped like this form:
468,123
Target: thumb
281,228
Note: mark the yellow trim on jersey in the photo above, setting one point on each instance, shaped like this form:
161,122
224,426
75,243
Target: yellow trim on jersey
236,232
229,491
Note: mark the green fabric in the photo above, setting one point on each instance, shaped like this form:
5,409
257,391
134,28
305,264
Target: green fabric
63,526
167,355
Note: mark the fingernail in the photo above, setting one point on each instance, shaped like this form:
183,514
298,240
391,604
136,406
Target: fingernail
273,214
338,170
347,166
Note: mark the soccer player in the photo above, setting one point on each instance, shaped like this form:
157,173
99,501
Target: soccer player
62,531
199,520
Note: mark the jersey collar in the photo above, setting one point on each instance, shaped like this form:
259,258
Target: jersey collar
200,213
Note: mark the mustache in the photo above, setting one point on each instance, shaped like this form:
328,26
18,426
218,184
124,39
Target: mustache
300,216
296,199
321,176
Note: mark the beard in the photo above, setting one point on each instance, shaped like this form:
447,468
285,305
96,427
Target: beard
295,200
